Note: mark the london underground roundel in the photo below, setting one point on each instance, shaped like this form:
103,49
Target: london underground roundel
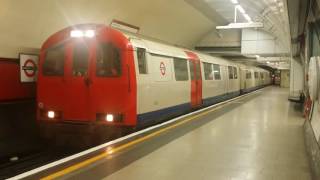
28,67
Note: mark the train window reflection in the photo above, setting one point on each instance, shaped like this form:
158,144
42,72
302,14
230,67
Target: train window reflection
216,71
230,70
208,73
235,71
248,74
256,76
181,69
54,62
108,61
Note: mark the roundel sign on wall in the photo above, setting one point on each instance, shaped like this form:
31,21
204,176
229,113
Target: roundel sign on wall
28,67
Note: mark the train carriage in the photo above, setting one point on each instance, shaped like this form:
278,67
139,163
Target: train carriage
95,76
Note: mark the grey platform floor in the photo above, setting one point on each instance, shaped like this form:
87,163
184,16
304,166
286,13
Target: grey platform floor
260,139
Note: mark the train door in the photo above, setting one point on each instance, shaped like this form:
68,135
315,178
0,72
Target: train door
242,79
196,80
226,79
77,88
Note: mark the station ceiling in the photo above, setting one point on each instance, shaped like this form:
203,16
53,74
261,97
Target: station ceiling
26,24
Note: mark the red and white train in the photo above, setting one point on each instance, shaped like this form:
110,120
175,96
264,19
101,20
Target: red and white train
94,76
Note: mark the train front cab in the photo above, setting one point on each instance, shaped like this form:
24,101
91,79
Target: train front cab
86,82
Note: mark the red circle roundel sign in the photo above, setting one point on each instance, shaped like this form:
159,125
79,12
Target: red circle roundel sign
29,68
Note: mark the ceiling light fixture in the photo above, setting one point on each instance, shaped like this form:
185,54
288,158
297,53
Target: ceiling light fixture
234,1
240,8
248,18
237,25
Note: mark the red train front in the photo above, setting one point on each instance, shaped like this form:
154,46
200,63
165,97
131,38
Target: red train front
87,76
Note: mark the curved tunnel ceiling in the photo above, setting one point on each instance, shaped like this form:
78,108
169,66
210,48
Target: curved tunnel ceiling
273,14
26,24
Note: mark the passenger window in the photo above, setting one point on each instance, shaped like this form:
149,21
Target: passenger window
54,62
235,71
230,70
181,69
142,61
261,75
248,75
108,61
80,59
208,73
191,67
216,71
256,75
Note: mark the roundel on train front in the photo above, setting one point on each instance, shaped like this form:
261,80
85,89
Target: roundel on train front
313,78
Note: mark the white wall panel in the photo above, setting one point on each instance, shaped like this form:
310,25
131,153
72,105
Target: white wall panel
260,42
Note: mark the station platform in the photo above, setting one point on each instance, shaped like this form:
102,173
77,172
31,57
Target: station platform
258,136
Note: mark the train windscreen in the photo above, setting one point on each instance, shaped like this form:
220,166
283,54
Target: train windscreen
108,61
80,59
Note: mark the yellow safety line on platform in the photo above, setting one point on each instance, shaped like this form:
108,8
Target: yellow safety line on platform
121,147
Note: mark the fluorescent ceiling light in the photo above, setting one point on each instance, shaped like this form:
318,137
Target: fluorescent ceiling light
241,25
248,18
240,8
234,1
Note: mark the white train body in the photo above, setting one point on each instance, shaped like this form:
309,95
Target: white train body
160,93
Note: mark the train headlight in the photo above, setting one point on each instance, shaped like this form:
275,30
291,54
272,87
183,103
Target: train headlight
78,33
109,118
89,33
51,114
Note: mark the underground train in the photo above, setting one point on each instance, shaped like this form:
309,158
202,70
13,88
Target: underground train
92,76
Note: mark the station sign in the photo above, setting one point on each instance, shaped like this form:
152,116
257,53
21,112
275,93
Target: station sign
28,67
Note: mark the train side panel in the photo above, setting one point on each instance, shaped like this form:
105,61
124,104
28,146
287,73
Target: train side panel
160,96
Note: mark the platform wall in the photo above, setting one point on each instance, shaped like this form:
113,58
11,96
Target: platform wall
11,87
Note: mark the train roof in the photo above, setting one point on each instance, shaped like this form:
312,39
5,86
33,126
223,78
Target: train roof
151,45
165,49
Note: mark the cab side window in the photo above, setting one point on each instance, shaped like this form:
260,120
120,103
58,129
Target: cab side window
142,61
191,68
108,61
